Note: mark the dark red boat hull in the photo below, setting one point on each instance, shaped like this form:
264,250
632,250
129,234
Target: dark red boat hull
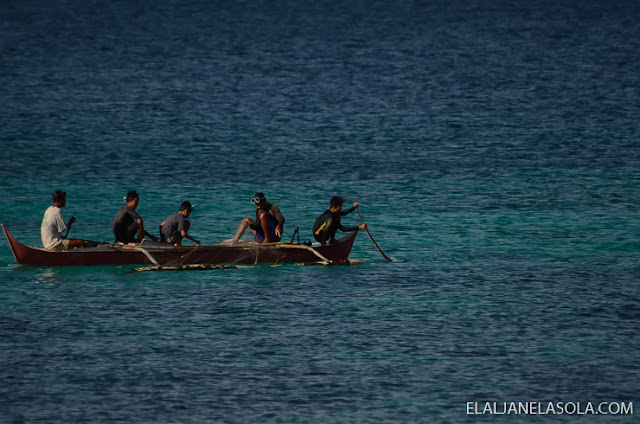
116,254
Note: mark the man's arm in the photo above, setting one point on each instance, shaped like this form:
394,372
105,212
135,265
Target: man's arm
347,212
275,210
187,236
349,229
140,229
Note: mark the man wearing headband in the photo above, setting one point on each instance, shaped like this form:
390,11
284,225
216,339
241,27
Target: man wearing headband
128,223
176,226
328,223
267,226
53,225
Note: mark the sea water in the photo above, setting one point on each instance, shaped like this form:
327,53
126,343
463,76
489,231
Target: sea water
493,147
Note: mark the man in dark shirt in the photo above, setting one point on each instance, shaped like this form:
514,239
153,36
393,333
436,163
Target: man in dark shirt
328,223
267,226
128,223
176,226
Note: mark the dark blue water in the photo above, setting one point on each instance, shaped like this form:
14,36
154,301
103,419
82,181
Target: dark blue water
494,148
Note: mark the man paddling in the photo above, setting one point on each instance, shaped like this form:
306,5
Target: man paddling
53,225
128,223
328,223
176,226
267,226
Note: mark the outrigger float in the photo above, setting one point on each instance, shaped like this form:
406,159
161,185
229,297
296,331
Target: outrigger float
166,257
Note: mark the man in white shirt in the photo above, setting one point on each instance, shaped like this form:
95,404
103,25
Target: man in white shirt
53,225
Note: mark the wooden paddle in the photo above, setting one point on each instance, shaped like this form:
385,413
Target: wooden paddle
71,221
372,240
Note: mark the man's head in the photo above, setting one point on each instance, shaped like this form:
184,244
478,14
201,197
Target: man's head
336,203
59,198
133,199
186,208
259,200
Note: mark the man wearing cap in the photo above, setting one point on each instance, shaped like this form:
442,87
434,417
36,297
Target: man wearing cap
53,225
267,226
128,223
176,226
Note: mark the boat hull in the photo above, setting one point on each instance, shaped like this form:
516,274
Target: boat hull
118,254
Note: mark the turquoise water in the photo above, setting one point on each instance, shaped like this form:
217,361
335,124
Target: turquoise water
494,152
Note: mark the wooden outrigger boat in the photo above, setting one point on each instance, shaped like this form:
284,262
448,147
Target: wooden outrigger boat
161,255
